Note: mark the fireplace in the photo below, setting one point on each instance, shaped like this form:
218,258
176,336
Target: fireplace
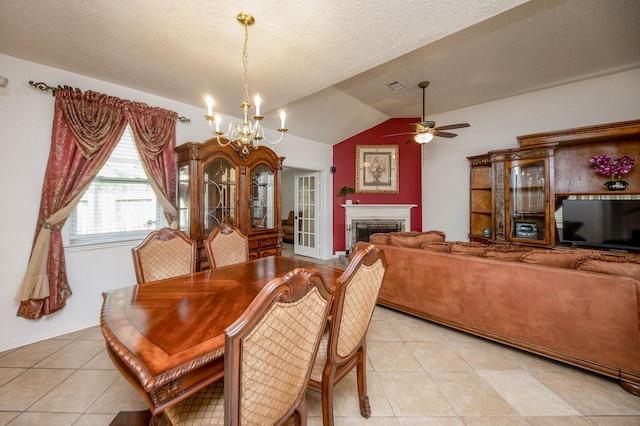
364,228
362,220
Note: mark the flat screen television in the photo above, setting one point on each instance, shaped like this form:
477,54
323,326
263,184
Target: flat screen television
603,224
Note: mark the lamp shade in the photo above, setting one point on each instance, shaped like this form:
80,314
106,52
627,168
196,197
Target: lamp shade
423,137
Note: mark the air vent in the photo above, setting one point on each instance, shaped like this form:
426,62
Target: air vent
396,85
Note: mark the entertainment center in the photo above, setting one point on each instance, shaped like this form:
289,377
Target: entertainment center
546,193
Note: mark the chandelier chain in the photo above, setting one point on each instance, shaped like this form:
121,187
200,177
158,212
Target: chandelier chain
245,62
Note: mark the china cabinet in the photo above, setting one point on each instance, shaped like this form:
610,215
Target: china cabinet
216,186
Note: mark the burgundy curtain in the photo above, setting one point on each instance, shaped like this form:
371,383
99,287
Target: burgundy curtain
86,128
154,132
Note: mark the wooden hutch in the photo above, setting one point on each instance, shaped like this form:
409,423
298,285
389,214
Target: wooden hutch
516,194
217,184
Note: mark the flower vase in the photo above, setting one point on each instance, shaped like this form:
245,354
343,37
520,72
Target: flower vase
616,185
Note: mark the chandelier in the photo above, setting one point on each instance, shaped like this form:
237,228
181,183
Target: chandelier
244,136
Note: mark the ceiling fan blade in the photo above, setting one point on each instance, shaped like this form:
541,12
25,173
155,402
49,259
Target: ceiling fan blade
445,134
398,134
423,125
453,126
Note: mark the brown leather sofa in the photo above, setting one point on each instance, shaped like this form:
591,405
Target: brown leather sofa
287,228
576,307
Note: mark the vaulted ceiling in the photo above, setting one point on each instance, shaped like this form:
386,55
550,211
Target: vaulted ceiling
328,62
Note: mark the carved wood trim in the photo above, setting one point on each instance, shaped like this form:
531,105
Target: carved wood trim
588,134
500,214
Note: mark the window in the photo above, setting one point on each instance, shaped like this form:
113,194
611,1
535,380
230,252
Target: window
120,203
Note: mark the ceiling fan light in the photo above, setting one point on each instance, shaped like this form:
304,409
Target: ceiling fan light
423,137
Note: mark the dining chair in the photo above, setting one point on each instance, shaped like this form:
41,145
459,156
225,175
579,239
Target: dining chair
268,356
343,343
164,253
226,245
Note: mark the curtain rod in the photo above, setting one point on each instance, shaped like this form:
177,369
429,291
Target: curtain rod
45,88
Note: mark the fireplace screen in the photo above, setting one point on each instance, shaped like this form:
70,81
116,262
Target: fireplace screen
362,229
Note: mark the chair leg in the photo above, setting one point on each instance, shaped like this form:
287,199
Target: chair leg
327,399
300,413
363,398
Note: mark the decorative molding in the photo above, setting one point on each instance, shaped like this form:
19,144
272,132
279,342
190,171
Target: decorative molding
500,202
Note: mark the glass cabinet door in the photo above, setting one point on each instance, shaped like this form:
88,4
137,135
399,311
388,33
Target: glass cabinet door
262,198
220,195
183,199
527,201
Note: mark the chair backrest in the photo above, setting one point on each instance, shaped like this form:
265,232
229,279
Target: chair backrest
226,245
164,253
270,349
356,297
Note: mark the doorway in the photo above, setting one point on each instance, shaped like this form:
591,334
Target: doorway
306,239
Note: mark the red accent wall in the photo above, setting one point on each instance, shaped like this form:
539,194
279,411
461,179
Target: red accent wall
409,178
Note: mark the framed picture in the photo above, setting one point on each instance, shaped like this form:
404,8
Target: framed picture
377,168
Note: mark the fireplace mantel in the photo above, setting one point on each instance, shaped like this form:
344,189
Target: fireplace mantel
376,211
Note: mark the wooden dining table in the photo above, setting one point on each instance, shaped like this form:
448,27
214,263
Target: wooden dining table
167,337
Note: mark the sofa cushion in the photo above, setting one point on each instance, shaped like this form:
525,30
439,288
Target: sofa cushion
557,258
381,238
624,266
468,248
440,246
415,240
506,252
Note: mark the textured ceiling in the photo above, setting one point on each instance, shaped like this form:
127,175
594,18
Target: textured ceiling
328,62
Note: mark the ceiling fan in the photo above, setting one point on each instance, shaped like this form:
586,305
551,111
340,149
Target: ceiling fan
424,130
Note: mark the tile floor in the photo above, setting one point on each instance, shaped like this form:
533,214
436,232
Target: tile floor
419,373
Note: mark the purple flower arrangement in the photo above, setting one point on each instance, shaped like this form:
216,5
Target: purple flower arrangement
605,166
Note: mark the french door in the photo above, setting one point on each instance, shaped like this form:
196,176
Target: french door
306,224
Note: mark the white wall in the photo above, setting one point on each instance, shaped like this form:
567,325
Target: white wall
496,125
25,135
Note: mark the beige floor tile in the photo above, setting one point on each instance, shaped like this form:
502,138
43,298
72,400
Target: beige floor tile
484,355
533,362
21,392
413,394
382,331
94,420
92,333
101,361
30,355
470,395
438,357
590,394
430,421
74,355
616,420
33,419
7,416
120,396
391,356
527,395
417,330
560,421
387,314
72,335
7,374
77,393
495,421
